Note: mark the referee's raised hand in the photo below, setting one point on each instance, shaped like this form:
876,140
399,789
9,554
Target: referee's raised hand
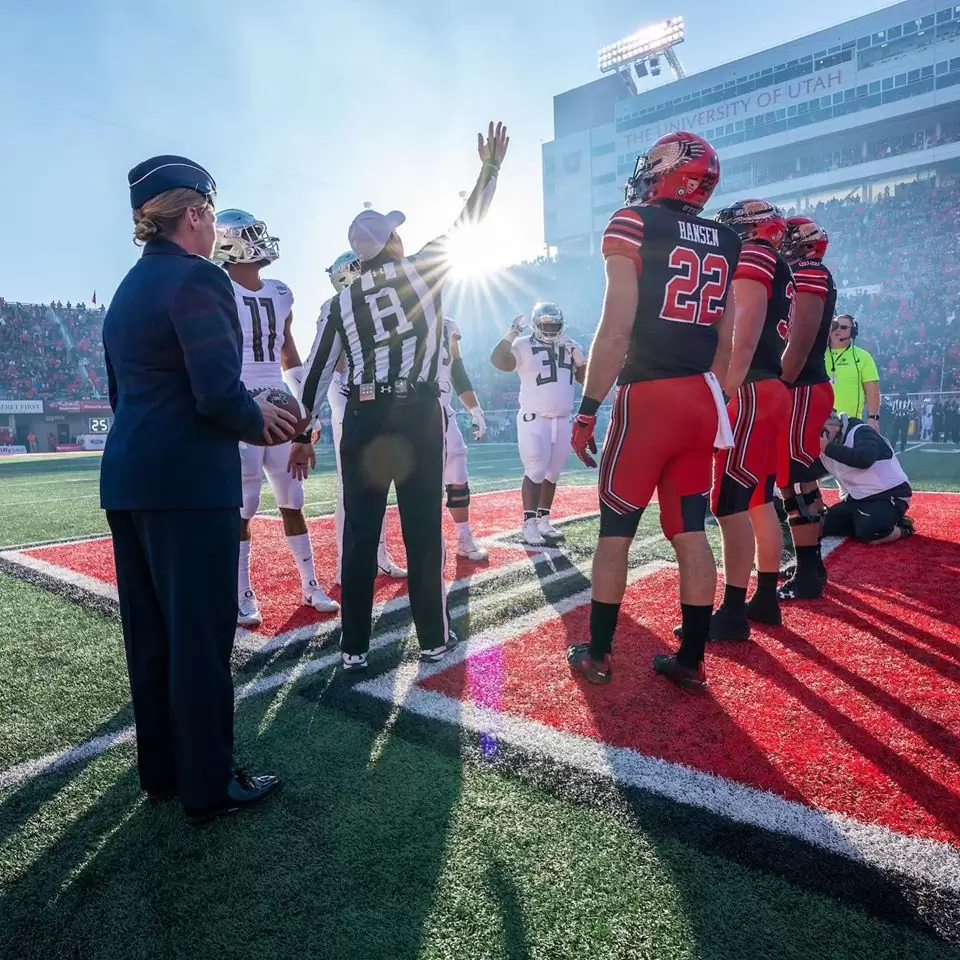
493,149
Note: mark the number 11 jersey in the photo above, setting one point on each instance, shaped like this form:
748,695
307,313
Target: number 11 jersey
684,268
263,319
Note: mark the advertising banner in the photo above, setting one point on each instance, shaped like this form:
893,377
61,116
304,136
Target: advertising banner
78,406
9,449
21,406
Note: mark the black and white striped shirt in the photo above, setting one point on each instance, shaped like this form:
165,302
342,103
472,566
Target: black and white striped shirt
388,324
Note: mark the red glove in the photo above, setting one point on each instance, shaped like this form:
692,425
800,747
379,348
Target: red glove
582,438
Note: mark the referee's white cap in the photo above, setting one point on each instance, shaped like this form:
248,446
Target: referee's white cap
370,231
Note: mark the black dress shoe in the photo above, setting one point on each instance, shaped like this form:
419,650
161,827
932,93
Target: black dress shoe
243,791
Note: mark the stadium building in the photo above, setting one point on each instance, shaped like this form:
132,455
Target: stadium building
856,109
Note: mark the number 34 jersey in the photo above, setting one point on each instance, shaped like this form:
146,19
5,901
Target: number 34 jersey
546,375
263,318
684,265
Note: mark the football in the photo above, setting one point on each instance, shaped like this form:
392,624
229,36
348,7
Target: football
284,400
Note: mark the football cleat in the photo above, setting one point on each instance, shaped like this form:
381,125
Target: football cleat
802,588
596,671
531,533
435,654
764,611
248,613
353,662
724,625
469,548
687,678
548,530
388,568
314,596
907,527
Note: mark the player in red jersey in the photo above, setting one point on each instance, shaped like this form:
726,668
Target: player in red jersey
759,407
665,335
804,366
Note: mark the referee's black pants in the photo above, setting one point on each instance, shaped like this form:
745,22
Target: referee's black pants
177,585
901,428
401,441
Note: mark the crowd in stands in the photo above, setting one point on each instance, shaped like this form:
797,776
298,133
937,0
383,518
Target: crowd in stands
50,351
896,260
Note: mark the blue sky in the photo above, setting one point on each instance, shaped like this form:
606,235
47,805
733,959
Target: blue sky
302,110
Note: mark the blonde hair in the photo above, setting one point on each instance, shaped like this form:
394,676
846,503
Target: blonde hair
161,216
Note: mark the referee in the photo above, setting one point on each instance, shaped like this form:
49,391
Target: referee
388,324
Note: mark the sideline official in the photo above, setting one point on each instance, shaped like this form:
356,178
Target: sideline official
170,483
853,373
388,324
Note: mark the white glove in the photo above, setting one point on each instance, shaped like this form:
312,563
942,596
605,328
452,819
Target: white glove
516,328
478,422
294,378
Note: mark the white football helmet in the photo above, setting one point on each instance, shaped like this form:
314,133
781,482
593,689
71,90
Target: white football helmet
546,321
242,238
344,270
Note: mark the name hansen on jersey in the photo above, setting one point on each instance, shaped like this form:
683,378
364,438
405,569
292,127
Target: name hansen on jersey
263,317
685,265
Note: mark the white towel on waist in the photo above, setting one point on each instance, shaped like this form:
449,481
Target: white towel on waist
724,438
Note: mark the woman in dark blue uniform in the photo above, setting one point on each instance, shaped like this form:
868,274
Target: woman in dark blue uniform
170,483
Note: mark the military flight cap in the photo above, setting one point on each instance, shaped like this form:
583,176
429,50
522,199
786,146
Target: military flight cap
159,174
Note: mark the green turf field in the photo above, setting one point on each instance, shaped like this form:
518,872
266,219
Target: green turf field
387,841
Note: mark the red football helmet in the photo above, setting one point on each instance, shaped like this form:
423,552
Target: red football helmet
805,239
681,167
755,220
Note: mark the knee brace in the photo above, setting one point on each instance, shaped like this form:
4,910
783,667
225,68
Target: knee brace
458,495
799,508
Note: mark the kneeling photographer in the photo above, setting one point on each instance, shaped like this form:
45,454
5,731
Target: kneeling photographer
876,491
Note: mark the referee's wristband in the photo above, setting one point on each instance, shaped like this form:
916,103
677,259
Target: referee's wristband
873,416
589,407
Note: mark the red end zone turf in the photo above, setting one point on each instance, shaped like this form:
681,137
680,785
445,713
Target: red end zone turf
274,576
852,706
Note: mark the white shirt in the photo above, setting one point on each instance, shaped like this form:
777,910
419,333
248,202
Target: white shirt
546,373
263,319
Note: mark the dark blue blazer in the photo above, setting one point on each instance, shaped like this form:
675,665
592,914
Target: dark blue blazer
173,344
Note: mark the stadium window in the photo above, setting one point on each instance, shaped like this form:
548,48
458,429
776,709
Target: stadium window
926,72
900,80
925,23
748,122
955,64
944,15
833,50
728,129
738,126
792,111
942,67
849,45
849,94
819,54
769,117
894,32
838,98
781,114
863,43
825,102
910,28
862,91
887,83
766,72
913,76
879,36
875,86
603,149
802,107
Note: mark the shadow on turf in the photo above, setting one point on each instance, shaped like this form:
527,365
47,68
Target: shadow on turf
345,862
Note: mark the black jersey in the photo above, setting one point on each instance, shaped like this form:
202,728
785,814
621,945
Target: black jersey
685,266
811,276
761,263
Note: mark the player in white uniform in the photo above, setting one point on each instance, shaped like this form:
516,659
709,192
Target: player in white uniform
344,270
270,359
547,363
453,378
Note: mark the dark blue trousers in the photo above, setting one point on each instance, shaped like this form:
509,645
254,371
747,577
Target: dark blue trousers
177,581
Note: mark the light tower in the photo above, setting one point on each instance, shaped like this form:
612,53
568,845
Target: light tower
640,53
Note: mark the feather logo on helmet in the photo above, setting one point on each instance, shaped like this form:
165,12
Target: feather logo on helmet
680,167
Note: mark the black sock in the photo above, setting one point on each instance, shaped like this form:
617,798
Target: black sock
603,622
542,513
766,588
529,514
808,561
734,598
696,627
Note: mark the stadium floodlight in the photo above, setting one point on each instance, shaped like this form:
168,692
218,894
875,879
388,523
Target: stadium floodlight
658,39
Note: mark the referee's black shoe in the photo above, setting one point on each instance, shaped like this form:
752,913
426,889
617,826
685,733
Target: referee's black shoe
243,792
435,654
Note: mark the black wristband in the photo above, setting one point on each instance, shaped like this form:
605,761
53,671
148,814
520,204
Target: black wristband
589,407
873,416
301,438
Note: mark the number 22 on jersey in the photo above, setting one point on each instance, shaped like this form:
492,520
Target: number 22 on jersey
695,292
